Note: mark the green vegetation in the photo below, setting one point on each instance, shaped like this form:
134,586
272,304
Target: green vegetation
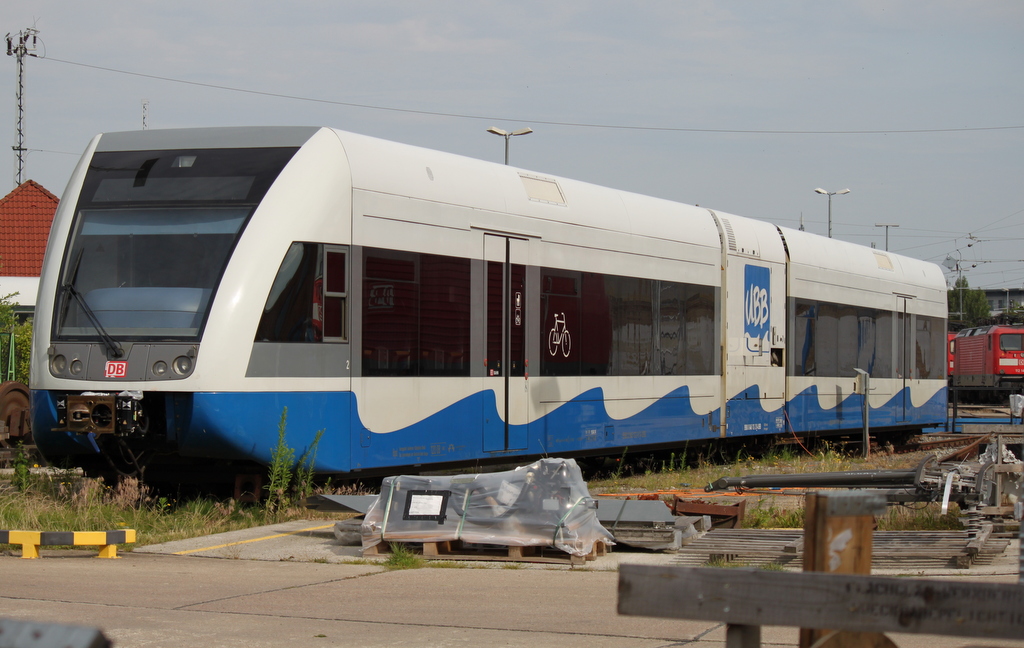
289,481
22,340
65,500
767,515
282,460
402,557
920,517
967,305
689,471
22,470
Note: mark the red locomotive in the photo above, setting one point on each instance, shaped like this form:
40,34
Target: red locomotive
988,359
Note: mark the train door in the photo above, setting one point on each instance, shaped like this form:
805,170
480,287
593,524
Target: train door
904,356
505,342
755,356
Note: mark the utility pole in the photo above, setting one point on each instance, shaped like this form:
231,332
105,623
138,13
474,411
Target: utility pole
21,45
886,226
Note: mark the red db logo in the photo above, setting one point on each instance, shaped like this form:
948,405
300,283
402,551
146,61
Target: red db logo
115,369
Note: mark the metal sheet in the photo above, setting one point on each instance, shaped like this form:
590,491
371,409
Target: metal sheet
348,503
610,511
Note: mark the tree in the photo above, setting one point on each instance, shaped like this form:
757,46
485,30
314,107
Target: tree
22,339
967,305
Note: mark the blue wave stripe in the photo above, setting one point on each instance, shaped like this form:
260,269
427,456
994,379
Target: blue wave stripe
244,425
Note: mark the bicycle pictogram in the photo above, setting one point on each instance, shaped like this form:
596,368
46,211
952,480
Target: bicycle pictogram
559,338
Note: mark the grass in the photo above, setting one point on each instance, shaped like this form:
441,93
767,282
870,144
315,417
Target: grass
64,500
769,511
690,470
920,517
402,557
67,501
767,515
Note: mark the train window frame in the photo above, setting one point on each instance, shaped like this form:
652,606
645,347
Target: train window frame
302,273
1018,336
340,297
811,344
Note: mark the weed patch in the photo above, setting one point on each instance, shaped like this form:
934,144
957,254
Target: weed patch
402,557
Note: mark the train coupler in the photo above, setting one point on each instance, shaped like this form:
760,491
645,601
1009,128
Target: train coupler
101,413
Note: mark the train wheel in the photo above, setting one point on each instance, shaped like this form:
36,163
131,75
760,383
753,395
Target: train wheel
14,405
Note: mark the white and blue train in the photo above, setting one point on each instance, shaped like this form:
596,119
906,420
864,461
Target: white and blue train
426,310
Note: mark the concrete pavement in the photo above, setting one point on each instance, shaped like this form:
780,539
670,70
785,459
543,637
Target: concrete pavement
292,585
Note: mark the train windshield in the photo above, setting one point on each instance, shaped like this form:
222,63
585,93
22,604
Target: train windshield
152,236
1011,342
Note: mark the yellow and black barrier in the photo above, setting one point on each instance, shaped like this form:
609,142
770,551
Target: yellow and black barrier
30,541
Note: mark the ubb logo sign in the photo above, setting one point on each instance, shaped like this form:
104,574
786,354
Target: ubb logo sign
756,297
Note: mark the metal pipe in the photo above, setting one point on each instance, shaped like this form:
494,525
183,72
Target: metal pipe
848,479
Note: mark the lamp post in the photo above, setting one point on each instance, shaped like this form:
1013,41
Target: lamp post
507,135
886,226
830,194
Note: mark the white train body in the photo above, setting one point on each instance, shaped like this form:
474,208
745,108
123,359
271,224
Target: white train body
423,308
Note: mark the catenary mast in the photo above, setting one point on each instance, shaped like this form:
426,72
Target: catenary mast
21,45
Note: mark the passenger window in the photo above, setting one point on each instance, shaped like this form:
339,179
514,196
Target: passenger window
307,299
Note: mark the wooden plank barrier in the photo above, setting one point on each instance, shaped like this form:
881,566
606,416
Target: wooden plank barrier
747,599
30,541
835,601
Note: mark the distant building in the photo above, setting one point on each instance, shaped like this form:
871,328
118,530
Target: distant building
1001,300
25,218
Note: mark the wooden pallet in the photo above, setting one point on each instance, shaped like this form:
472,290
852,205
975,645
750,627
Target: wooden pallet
457,550
759,547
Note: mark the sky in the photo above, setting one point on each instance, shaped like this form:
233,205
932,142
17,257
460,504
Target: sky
915,106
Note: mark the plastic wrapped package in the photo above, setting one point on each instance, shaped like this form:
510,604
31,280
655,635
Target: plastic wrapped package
543,504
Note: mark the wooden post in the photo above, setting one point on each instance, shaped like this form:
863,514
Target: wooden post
838,529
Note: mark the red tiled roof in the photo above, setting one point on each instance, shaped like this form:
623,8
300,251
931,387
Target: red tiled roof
25,218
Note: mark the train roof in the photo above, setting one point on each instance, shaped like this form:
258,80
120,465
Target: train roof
991,328
207,138
387,167
399,169
819,252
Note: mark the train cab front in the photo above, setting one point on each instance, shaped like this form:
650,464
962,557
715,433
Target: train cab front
108,425
134,277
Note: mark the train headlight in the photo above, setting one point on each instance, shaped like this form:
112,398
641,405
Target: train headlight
159,368
182,365
58,364
77,367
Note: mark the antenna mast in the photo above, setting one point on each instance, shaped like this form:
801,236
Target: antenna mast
21,45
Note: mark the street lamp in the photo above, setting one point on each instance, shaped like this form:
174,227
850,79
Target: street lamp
886,226
830,194
507,135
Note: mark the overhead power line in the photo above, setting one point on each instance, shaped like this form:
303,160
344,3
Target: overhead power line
537,121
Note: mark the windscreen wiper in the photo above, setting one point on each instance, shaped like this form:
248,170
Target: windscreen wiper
113,347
